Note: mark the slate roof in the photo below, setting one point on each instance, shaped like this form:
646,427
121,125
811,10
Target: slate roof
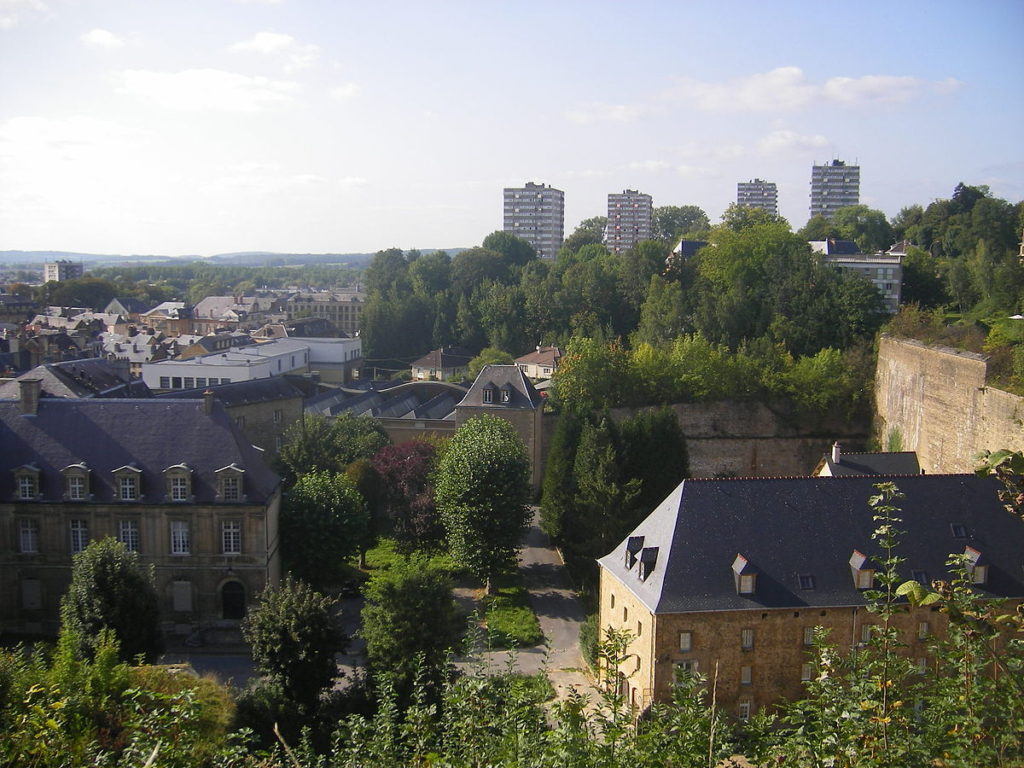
788,527
499,377
88,377
541,356
241,392
127,305
445,359
108,434
889,463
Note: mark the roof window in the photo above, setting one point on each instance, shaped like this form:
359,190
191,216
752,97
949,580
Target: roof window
633,546
648,559
863,576
745,576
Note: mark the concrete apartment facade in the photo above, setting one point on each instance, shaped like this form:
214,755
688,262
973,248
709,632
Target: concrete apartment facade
536,213
630,220
834,186
56,271
758,193
884,270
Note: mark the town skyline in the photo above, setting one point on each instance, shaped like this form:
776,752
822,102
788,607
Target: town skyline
290,126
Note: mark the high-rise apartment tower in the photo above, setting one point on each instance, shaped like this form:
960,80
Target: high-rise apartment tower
834,186
536,213
629,220
758,194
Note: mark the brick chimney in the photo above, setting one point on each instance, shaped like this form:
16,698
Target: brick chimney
836,453
30,389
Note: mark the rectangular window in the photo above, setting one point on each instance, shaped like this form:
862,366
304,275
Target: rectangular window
26,487
686,641
922,665
128,488
28,535
165,382
231,537
231,488
625,614
179,489
31,594
79,535
181,538
808,635
743,712
746,583
488,395
200,381
175,382
745,675
746,639
806,581
922,630
278,414
181,593
190,382
865,633
128,534
76,488
806,671
865,579
240,422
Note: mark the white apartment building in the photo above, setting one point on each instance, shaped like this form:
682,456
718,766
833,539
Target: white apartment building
536,213
758,193
630,220
834,186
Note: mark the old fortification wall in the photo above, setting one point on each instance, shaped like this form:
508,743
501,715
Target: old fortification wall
749,439
936,401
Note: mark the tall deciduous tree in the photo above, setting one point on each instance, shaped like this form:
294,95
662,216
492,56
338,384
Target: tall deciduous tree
407,493
321,443
324,522
483,490
293,636
110,589
673,221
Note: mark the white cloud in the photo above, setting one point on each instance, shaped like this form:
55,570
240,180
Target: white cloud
345,91
599,112
206,89
11,11
788,88
647,165
296,55
784,139
101,38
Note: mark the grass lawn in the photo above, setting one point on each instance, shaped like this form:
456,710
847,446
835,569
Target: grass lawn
384,555
510,620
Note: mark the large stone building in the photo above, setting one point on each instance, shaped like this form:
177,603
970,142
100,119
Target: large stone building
758,193
344,310
834,186
173,480
730,578
536,213
630,220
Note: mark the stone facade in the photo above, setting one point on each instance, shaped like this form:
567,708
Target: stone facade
935,400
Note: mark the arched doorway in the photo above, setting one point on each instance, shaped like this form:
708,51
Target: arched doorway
232,600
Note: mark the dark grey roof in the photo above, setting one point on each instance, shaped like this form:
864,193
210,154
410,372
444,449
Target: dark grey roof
242,392
108,434
891,463
499,377
127,305
88,377
445,358
788,527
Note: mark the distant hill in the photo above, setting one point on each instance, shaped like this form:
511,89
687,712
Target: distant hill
239,259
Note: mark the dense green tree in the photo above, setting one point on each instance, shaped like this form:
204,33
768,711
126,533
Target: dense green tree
922,280
588,232
906,223
488,356
653,450
819,227
475,266
293,637
430,274
324,521
387,275
409,619
89,291
591,376
559,489
111,589
865,226
665,313
326,443
483,488
516,251
502,316
739,217
673,221
406,471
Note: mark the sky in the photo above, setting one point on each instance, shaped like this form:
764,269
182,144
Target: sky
195,127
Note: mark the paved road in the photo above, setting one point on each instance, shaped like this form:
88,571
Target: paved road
558,611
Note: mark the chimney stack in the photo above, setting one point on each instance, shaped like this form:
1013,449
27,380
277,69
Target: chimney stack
208,402
30,389
836,453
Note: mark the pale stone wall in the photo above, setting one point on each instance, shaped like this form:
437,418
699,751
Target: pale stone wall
937,401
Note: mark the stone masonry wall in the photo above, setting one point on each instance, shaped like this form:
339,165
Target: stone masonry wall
936,400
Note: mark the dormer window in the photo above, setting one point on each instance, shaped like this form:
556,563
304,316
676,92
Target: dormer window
633,546
863,576
26,482
648,559
229,483
76,482
977,570
488,393
178,479
128,483
745,576
506,394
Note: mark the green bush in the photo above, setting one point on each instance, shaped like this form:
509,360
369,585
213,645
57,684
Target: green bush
588,640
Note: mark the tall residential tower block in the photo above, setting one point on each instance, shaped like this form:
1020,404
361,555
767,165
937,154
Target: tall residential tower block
834,186
758,193
536,213
630,216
